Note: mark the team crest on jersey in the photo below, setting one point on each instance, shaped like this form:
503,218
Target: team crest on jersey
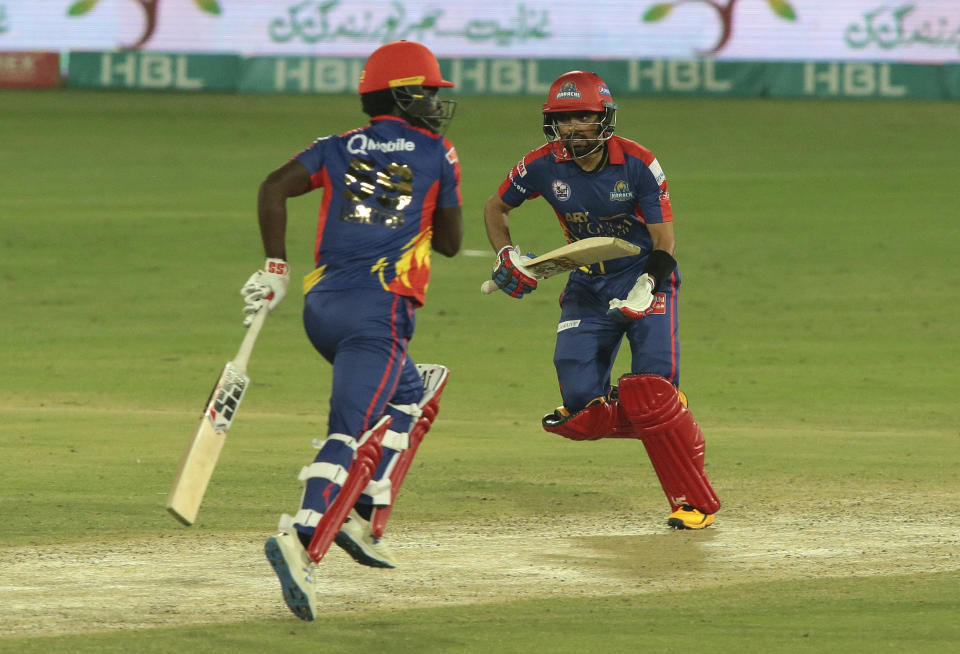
561,190
451,156
568,90
621,191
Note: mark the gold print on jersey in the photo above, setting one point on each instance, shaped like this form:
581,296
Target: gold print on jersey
393,186
396,179
579,225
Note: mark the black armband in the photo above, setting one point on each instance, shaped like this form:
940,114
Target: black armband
659,266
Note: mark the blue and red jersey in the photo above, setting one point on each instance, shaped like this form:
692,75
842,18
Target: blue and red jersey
382,184
620,199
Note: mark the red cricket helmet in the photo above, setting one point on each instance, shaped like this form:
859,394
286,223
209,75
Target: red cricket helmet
401,63
578,91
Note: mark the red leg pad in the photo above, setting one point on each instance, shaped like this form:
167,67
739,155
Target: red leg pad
672,438
400,469
361,471
429,410
602,420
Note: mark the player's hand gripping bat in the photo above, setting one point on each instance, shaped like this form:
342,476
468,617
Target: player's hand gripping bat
573,255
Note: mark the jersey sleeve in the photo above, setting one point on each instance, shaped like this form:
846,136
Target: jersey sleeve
516,187
653,201
449,195
312,159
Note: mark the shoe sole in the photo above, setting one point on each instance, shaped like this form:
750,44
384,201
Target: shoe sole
293,595
677,523
356,552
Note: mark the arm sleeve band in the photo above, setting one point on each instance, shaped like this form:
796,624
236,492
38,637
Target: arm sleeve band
659,266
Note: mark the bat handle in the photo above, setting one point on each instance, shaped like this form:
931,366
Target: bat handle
489,287
246,347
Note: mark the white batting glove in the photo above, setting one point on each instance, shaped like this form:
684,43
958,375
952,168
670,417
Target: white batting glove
265,287
511,275
637,304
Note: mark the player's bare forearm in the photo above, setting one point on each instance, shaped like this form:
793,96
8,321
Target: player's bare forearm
288,181
447,230
663,239
496,219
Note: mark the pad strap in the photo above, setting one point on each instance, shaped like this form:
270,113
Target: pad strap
346,439
323,470
396,440
409,409
304,518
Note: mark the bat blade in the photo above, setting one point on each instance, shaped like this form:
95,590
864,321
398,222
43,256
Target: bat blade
196,469
580,253
203,450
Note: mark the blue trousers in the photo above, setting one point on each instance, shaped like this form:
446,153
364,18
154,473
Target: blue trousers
588,341
364,334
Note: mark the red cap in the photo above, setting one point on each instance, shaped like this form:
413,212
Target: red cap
578,91
401,63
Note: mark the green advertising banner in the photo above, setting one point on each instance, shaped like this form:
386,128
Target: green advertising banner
154,71
854,80
626,78
951,81
300,75
514,76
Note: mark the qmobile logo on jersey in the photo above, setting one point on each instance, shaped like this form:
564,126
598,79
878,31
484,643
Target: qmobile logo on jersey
361,144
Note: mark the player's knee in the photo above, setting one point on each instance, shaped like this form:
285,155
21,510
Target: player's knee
650,401
576,386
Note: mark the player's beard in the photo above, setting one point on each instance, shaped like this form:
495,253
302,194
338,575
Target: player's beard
581,145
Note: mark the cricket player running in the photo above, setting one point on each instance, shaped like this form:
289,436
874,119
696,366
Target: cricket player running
604,185
391,193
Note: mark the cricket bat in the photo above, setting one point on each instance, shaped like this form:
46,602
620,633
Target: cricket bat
574,255
203,449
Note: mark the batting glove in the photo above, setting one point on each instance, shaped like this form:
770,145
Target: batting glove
510,275
638,303
265,287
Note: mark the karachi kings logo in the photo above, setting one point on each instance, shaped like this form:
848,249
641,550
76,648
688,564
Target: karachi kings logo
621,191
568,90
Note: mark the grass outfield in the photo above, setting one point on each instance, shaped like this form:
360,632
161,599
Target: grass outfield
820,334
